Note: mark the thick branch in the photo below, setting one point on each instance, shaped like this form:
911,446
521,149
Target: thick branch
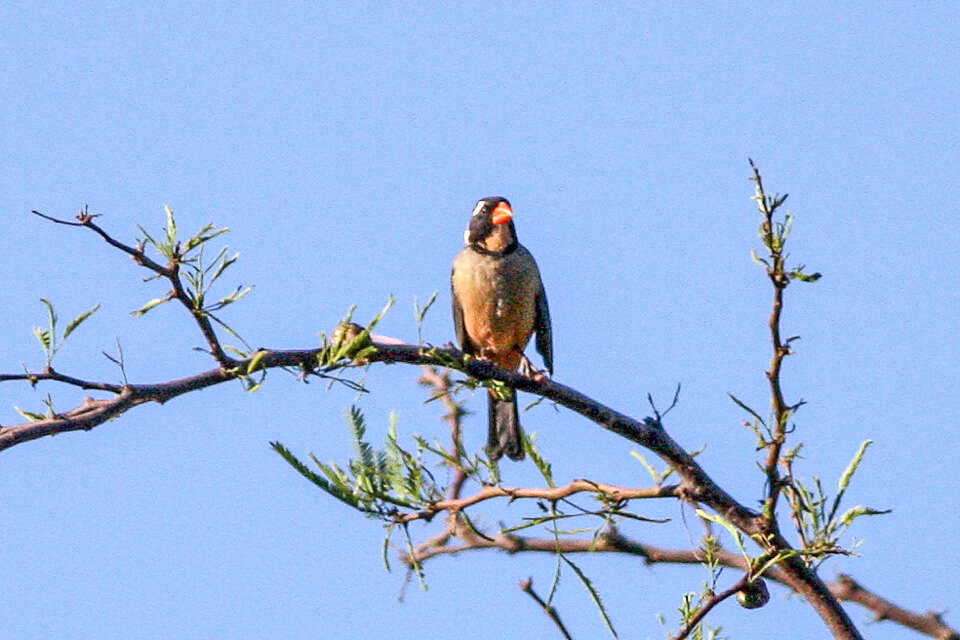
93,412
697,486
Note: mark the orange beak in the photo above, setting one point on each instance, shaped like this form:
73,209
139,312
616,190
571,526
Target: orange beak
502,214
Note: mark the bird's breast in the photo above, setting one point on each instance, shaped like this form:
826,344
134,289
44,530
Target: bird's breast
497,295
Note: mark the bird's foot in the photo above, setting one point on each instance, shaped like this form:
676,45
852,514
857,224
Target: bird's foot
527,369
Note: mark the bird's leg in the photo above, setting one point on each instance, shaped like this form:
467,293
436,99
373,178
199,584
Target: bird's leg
527,368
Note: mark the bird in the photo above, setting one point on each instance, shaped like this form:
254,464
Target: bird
498,304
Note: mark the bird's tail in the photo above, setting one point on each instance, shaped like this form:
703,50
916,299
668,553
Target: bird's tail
504,435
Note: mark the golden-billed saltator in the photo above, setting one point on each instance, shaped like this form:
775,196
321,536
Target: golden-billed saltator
498,303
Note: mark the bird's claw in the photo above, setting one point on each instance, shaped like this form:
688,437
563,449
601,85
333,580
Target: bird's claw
527,369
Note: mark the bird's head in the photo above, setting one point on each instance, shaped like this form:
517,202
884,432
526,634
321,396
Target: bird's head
491,226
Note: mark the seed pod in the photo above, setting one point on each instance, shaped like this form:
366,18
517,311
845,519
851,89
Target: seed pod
754,595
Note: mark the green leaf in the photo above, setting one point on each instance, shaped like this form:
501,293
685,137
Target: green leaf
747,409
474,528
852,467
197,239
568,532
79,319
794,453
414,562
593,594
237,352
763,563
203,236
377,318
639,518
555,583
847,475
385,550
436,449
804,277
855,512
657,478
150,240
30,415
421,312
758,259
334,488
43,335
255,361
156,302
229,330
358,428
545,468
171,226
533,522
238,294
48,336
51,315
787,225
343,349
737,535
224,264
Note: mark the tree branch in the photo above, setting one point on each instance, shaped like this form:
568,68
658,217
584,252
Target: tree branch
441,382
929,623
697,486
550,494
714,600
778,277
171,272
527,587
845,588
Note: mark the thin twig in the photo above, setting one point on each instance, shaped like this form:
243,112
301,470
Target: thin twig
705,608
527,587
50,374
548,493
780,280
845,588
171,272
929,623
441,382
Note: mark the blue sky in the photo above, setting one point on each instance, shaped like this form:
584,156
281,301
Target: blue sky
345,148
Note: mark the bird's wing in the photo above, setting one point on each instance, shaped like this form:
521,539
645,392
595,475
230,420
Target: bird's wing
458,323
542,327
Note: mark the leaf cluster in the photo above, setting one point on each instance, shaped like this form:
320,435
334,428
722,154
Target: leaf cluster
187,258
378,483
47,336
817,516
